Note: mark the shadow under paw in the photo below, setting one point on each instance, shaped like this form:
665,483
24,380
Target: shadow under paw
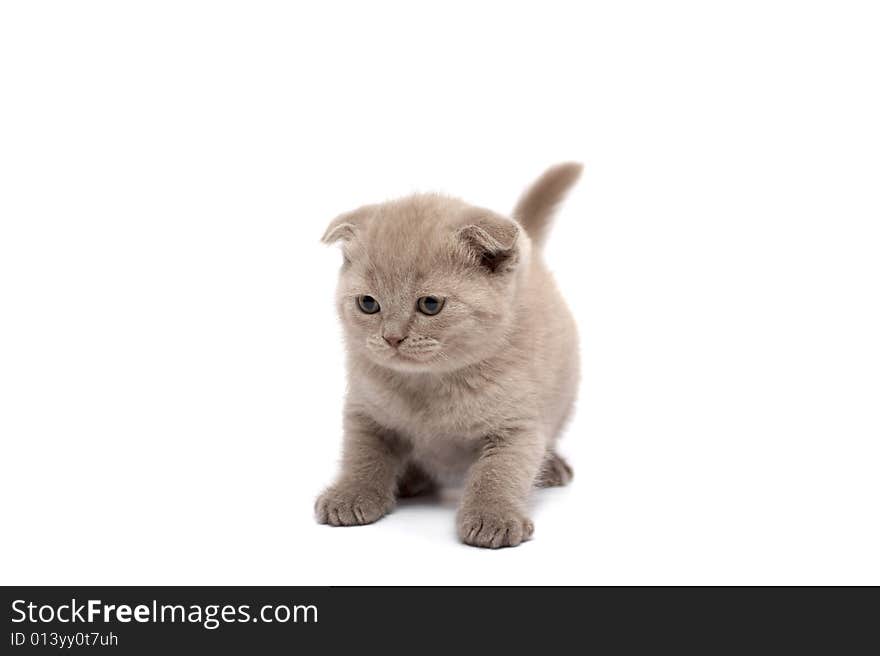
415,482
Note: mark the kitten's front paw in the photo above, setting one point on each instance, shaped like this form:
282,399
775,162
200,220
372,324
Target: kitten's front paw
493,527
346,504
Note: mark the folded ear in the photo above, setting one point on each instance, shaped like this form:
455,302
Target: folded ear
345,226
491,240
338,229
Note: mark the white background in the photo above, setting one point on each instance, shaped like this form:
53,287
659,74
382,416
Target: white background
170,364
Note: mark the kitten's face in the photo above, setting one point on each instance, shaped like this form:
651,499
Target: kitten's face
427,283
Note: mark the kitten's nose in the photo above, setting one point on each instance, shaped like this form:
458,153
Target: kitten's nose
393,340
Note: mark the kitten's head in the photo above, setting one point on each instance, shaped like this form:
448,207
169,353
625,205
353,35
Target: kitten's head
428,282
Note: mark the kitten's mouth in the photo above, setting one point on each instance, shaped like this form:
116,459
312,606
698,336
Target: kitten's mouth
406,354
420,357
409,359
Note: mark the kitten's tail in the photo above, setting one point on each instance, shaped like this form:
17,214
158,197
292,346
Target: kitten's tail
536,206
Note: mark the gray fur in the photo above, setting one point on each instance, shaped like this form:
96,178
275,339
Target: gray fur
476,394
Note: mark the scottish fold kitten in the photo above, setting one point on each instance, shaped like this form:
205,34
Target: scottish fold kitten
462,359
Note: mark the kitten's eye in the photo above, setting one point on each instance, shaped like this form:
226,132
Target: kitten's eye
430,305
368,304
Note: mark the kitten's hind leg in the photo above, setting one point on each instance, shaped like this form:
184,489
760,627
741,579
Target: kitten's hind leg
555,472
415,481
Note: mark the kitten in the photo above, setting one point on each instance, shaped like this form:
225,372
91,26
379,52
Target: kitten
462,359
